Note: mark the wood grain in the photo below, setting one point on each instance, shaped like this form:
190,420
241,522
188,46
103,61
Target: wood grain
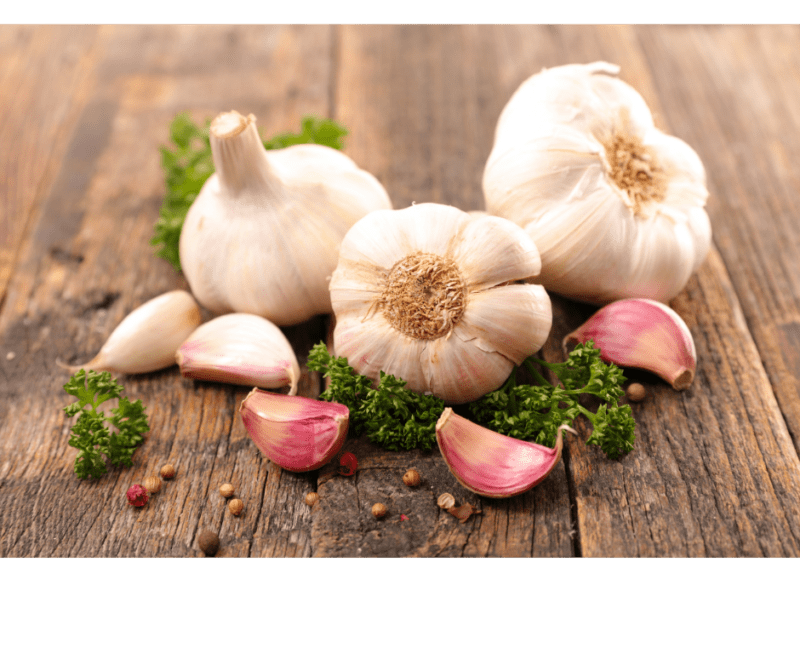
715,471
37,120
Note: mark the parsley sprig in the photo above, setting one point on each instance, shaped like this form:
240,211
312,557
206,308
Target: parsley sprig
391,415
188,164
90,435
396,417
534,412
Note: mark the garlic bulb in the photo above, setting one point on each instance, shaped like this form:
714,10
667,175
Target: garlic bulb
147,339
615,206
432,295
240,349
263,235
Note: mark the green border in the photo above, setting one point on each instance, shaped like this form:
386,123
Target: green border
411,11
393,614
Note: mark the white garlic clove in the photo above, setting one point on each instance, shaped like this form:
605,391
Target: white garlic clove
471,371
297,433
642,333
147,339
489,251
509,320
240,349
489,463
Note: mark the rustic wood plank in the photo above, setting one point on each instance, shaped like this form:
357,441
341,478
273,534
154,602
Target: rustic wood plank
100,211
424,102
747,78
45,78
714,472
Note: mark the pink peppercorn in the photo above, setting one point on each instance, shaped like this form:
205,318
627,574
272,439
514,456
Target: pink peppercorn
347,464
137,496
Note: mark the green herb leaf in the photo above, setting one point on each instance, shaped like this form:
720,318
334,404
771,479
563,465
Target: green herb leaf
90,435
396,417
188,164
391,415
534,413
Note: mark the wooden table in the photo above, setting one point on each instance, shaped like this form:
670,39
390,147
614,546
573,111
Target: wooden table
83,112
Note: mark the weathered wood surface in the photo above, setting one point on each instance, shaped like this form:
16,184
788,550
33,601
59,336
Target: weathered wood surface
82,114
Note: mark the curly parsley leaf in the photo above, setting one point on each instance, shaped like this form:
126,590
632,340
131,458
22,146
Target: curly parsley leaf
390,414
90,435
188,164
534,412
396,417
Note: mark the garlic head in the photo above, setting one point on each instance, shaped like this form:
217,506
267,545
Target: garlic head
615,206
263,235
438,297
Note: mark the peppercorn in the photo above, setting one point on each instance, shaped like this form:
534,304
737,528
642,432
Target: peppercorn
311,498
379,511
235,506
137,495
152,484
226,490
347,464
463,512
168,472
446,501
636,392
411,478
208,542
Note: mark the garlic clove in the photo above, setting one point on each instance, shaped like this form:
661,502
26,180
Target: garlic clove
297,433
489,463
642,333
373,346
147,339
491,251
240,349
471,370
512,320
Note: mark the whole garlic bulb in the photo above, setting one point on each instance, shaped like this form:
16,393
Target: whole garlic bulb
263,235
615,206
433,295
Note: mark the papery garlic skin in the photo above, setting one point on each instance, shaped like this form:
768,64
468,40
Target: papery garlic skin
489,463
147,339
297,433
263,235
429,294
615,206
642,333
240,349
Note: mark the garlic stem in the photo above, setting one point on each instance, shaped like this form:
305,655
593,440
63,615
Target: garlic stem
239,158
